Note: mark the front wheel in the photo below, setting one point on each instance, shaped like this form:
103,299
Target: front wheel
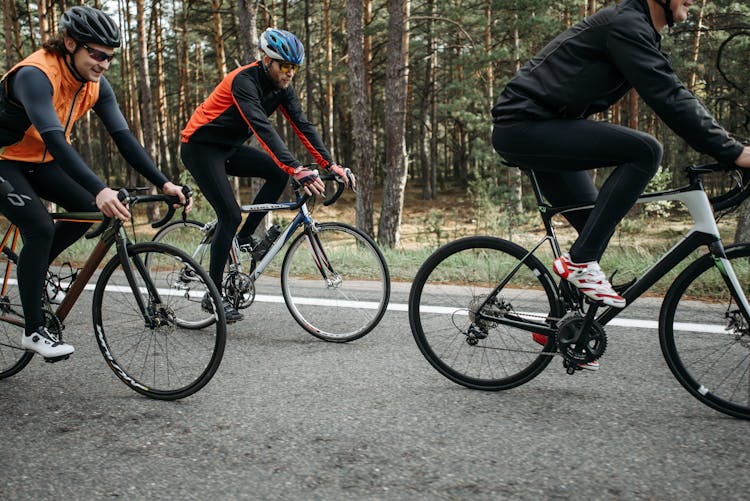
457,300
704,337
137,327
335,282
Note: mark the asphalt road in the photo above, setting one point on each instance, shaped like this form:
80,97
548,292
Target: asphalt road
290,417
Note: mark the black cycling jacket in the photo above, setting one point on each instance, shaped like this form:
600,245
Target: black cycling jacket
239,107
589,67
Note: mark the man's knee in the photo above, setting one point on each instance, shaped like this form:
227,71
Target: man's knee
41,233
652,154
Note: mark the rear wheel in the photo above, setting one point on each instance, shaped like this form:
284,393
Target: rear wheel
193,238
456,301
152,351
13,357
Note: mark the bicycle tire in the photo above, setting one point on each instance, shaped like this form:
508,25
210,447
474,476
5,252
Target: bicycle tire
355,299
143,356
13,358
460,276
706,352
189,237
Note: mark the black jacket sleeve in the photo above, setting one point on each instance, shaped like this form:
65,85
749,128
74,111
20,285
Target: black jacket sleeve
304,129
634,48
108,111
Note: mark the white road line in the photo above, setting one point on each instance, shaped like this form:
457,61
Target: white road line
402,307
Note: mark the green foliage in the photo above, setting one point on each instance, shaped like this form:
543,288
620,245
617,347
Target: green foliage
471,70
661,181
432,224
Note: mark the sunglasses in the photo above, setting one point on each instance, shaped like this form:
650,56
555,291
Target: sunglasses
98,55
286,66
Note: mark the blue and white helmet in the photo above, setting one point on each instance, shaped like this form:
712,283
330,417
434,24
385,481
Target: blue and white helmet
282,45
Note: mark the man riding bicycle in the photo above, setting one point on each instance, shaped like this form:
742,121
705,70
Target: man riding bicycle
57,85
213,144
540,123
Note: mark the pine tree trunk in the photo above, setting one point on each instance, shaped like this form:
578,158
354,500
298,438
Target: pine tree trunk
361,123
144,92
397,77
247,13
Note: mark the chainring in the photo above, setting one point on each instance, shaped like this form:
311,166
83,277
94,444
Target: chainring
239,290
589,347
53,324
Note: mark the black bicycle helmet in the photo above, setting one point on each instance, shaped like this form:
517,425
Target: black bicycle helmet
86,24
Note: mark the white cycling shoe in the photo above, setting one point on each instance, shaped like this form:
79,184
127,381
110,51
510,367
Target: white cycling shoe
46,344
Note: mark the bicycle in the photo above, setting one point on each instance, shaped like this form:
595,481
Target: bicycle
133,309
488,314
350,269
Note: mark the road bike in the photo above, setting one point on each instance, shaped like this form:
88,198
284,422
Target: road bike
489,315
334,279
133,308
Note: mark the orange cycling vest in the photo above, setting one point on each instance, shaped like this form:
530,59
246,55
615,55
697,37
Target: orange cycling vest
71,99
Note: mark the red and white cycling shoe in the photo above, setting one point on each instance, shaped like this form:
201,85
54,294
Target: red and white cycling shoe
589,278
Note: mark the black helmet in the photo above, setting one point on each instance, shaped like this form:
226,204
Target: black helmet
86,24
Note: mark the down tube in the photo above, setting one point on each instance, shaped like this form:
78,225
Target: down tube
666,264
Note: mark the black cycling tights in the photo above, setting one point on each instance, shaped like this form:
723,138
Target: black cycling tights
560,151
43,240
209,165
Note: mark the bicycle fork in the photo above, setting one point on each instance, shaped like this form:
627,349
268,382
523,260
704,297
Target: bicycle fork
730,278
329,275
150,317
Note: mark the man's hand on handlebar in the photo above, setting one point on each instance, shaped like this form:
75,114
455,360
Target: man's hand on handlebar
345,175
310,180
175,190
110,205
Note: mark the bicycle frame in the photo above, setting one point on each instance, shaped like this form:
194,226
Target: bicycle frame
303,218
114,235
704,232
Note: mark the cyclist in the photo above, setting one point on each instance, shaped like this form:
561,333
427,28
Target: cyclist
540,123
54,86
238,108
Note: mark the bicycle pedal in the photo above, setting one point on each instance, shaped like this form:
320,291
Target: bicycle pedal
52,360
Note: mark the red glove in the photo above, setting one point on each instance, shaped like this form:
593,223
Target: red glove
310,180
345,175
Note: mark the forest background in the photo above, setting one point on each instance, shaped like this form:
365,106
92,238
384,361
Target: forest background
400,90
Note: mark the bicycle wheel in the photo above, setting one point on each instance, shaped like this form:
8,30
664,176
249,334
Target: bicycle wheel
13,357
444,312
189,236
703,336
337,286
153,353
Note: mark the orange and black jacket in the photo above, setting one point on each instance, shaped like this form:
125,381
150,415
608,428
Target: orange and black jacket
40,101
239,108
